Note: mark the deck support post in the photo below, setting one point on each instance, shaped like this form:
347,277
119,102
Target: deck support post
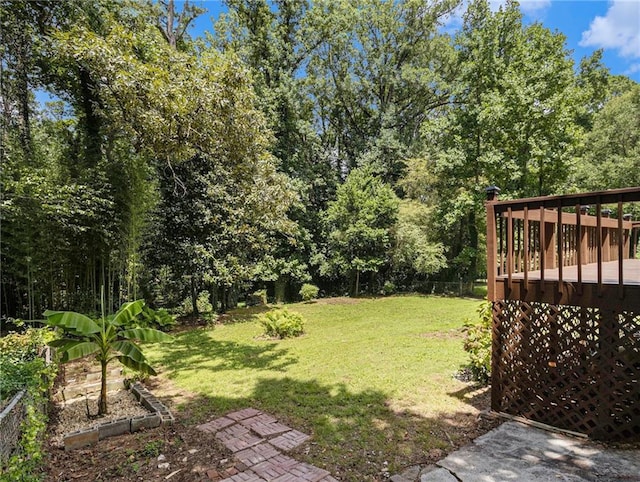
492,235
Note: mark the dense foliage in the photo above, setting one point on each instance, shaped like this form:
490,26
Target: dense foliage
477,343
23,367
336,142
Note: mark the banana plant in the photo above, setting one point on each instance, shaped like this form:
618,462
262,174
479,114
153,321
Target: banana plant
110,338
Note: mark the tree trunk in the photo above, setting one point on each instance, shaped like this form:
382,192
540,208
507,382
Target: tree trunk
357,291
280,289
232,297
102,405
473,244
194,296
213,297
223,300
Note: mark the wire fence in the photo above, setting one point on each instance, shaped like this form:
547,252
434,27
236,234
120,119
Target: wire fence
476,289
10,422
12,417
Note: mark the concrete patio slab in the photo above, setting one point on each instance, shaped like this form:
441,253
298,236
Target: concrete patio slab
515,451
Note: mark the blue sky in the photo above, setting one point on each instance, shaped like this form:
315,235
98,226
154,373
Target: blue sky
612,25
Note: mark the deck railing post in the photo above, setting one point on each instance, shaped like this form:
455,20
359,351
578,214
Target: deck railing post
492,247
550,245
627,237
584,237
560,239
620,252
599,245
606,238
580,246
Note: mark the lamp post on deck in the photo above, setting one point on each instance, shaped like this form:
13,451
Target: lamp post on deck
492,193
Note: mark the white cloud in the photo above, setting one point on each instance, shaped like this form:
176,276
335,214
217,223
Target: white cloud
633,68
619,29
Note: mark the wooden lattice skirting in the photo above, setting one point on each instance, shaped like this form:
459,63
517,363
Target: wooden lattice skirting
571,367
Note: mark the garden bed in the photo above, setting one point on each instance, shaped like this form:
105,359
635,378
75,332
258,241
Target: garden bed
129,411
74,421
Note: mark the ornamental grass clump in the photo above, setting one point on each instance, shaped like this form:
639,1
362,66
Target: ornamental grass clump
282,323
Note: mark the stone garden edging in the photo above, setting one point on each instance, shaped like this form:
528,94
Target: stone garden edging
160,415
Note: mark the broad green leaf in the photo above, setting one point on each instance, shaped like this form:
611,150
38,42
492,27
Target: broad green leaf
148,335
128,312
72,321
80,349
60,342
130,350
138,366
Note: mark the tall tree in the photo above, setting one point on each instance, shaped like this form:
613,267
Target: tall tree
511,123
271,38
611,156
359,224
378,70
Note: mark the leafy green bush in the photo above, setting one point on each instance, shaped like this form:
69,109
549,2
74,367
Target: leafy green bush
309,292
282,323
20,359
159,319
388,288
202,302
478,343
260,297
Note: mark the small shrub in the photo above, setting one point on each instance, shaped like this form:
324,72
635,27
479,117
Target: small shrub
478,343
202,302
159,319
282,323
20,358
152,449
309,292
388,288
259,297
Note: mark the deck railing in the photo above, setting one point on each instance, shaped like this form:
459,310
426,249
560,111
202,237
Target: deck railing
537,238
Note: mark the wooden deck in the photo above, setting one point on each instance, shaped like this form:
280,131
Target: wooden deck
563,276
630,273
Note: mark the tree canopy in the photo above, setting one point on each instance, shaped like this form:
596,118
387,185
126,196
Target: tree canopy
343,142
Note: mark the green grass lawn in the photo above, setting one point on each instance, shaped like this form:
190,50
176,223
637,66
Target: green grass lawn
371,379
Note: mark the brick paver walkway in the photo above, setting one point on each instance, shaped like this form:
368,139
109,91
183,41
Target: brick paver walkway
257,441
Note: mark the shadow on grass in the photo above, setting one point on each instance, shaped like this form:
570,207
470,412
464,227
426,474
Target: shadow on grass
475,394
357,436
197,348
247,313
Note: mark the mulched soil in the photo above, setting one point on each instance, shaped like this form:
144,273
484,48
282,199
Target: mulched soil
135,457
